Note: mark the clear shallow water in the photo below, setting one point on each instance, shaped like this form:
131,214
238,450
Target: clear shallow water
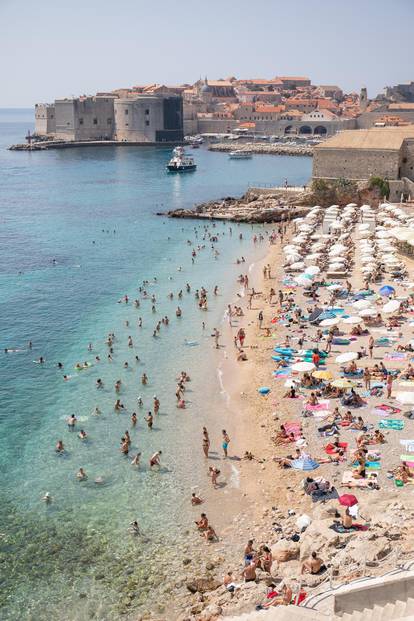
75,556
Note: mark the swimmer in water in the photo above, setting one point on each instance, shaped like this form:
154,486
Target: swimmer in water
96,412
99,383
82,435
156,404
72,422
196,500
59,448
81,475
150,420
134,528
136,460
144,379
134,419
140,402
155,459
59,365
47,498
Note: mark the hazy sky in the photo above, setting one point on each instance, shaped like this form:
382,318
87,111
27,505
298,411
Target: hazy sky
57,48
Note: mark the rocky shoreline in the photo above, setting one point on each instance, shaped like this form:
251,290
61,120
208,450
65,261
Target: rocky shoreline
264,148
255,206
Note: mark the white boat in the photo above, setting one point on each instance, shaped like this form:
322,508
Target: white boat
180,162
240,155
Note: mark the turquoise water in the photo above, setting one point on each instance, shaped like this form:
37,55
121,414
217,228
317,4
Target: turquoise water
92,211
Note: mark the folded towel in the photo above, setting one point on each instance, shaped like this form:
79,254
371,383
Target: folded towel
392,423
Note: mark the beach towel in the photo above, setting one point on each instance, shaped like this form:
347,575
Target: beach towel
329,448
338,528
282,372
395,424
293,427
409,445
385,410
323,405
324,496
340,341
395,355
356,374
409,459
349,481
369,465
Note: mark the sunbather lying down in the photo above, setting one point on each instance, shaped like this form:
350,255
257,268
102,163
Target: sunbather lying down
319,484
403,473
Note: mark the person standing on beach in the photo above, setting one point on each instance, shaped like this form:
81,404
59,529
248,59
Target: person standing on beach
216,335
371,346
260,319
390,380
206,442
226,442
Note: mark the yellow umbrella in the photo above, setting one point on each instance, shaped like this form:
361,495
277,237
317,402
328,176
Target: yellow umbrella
323,375
343,383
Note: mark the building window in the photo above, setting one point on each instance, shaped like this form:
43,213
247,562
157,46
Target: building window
126,111
147,111
147,123
109,121
95,121
80,121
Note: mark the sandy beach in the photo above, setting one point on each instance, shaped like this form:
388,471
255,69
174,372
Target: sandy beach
269,499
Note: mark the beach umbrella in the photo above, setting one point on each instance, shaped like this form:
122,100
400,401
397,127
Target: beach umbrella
348,500
303,280
291,383
329,322
336,267
297,266
302,367
364,227
312,270
386,290
323,375
334,287
391,306
292,258
368,312
351,320
406,398
305,463
360,304
346,357
343,383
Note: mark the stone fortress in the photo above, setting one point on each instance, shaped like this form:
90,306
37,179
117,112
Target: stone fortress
156,118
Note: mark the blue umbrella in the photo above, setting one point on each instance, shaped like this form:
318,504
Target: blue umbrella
306,463
386,290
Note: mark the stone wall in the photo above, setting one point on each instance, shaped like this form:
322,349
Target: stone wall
367,119
275,128
407,159
89,118
355,163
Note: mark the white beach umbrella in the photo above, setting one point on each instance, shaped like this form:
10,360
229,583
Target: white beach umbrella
361,304
312,257
303,281
302,367
334,287
391,306
296,267
340,247
368,312
292,258
364,226
312,270
346,357
329,322
365,208
352,319
336,267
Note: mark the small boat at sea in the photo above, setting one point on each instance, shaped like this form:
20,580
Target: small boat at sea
240,155
180,162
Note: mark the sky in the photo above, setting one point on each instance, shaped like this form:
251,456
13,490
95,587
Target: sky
58,48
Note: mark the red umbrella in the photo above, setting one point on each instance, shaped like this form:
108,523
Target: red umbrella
348,500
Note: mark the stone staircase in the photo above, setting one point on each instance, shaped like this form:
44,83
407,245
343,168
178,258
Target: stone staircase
384,598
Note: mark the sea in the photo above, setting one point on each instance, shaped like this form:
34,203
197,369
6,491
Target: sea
78,232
